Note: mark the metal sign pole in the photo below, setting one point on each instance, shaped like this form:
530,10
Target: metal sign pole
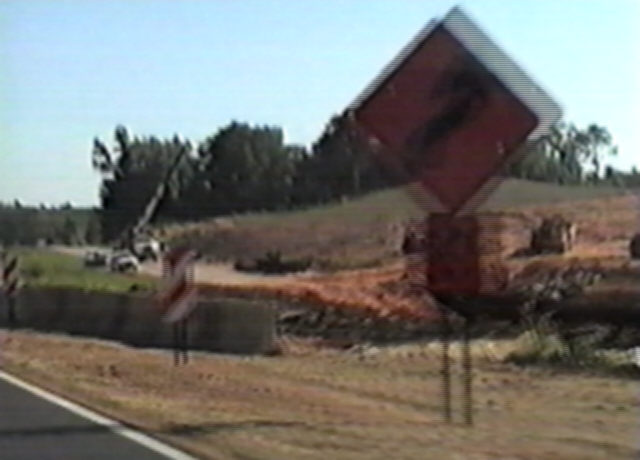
176,299
11,311
501,108
185,342
446,366
176,344
467,376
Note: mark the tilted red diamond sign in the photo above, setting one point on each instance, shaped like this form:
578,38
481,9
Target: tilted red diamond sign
450,110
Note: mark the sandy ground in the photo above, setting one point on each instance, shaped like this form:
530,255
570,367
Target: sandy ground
318,404
206,273
351,288
225,274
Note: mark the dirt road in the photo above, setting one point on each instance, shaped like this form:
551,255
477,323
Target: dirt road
205,272
361,289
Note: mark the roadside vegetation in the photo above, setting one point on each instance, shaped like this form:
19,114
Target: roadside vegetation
545,344
43,268
242,168
41,225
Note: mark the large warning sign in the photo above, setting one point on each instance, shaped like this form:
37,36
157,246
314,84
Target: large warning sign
451,109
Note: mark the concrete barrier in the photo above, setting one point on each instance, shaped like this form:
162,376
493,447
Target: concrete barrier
228,325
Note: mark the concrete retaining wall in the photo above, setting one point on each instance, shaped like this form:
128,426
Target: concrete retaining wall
223,325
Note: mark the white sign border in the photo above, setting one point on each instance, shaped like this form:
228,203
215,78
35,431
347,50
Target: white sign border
491,56
497,62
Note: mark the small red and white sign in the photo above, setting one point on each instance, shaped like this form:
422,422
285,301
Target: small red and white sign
10,278
178,293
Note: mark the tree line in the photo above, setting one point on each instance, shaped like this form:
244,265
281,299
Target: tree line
30,225
569,155
243,167
237,169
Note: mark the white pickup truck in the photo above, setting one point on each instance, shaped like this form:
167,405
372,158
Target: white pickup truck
147,249
116,261
124,262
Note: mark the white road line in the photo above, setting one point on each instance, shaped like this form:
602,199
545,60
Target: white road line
113,425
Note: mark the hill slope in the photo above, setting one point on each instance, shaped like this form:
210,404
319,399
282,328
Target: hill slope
365,231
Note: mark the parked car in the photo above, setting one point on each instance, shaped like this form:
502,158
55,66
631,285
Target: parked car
95,259
147,249
124,262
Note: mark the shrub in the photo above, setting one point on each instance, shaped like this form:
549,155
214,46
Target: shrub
542,343
273,263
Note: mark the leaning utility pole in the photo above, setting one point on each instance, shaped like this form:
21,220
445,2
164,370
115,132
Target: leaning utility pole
129,235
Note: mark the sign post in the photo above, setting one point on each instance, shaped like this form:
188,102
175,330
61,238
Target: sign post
10,285
447,115
178,298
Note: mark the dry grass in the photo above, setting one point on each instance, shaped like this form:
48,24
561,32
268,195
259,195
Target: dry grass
367,231
318,404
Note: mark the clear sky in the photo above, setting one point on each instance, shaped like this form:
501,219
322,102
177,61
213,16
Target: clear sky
72,70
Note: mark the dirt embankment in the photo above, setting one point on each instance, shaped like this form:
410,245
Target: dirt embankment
604,229
595,281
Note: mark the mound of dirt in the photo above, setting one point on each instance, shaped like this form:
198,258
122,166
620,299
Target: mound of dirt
556,235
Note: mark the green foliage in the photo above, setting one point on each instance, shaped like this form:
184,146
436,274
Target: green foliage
92,232
273,263
543,344
243,168
341,165
247,168
28,225
627,179
568,155
239,168
131,174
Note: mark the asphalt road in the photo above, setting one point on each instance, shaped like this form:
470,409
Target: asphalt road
36,429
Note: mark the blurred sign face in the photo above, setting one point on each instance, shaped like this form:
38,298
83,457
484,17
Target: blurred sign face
454,258
444,119
464,255
447,121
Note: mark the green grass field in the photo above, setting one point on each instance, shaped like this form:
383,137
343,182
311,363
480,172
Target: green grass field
42,268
